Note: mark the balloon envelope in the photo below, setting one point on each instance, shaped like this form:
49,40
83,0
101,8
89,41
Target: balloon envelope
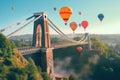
54,8
100,16
65,13
79,13
84,24
79,49
73,26
79,25
12,7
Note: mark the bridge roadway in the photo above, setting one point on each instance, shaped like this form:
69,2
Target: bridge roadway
30,50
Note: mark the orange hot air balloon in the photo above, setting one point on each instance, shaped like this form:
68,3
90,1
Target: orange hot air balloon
73,26
84,24
65,13
79,49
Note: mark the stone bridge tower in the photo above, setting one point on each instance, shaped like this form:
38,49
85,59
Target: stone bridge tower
88,40
41,38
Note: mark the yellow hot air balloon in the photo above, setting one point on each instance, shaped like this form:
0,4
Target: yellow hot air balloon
65,13
73,26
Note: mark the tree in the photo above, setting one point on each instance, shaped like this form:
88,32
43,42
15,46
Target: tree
64,78
72,77
6,46
99,45
32,71
45,76
9,71
77,38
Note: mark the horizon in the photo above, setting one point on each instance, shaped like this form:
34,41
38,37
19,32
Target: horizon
68,34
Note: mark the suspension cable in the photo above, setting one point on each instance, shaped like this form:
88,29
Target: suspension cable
82,39
18,23
23,26
56,27
75,43
56,30
61,31
86,37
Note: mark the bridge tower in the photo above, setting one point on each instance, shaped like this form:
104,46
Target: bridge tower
88,40
41,38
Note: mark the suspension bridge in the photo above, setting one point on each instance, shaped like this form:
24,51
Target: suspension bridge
41,39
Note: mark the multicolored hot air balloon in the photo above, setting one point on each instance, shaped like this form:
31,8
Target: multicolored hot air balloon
79,49
100,17
73,26
84,24
65,13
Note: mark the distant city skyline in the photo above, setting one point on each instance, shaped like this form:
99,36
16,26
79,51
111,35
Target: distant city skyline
13,11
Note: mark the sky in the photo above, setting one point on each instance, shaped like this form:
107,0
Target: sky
89,11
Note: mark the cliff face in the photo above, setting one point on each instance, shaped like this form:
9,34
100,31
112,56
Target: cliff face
13,66
8,53
19,60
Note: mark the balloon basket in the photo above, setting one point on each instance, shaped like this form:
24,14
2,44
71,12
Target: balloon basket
65,23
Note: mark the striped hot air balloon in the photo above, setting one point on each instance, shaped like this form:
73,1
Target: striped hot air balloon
65,13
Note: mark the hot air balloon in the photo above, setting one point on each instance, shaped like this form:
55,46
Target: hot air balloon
65,13
79,49
79,13
100,16
84,24
79,25
73,26
12,7
54,8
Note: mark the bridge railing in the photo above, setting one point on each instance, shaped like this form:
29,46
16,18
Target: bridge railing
28,50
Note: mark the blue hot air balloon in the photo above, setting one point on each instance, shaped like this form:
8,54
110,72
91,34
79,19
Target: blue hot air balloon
100,16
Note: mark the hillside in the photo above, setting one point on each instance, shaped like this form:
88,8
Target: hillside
93,64
88,64
13,66
110,39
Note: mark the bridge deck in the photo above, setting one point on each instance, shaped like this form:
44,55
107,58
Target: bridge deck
30,50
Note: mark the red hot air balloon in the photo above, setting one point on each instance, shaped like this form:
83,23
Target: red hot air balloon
79,49
84,24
